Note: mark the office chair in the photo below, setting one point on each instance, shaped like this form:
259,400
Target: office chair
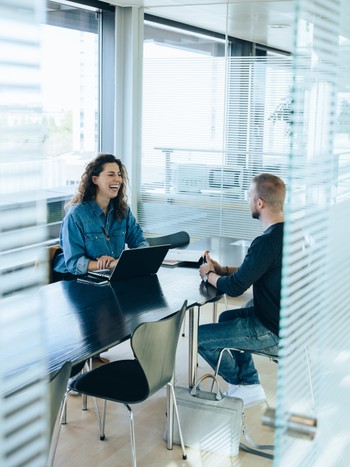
175,240
258,449
58,393
132,381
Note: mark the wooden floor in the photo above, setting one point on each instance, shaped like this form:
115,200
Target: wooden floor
79,444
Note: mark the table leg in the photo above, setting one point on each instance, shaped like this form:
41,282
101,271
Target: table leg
84,396
193,321
215,312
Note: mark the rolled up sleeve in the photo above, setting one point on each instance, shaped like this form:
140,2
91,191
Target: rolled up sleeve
74,247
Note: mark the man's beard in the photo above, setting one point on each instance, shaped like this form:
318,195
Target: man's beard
256,215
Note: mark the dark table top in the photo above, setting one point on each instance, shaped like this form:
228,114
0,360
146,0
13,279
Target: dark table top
82,320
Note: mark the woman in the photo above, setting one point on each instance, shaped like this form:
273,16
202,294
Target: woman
99,222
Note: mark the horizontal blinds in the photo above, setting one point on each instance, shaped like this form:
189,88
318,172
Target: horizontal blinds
209,125
23,397
315,292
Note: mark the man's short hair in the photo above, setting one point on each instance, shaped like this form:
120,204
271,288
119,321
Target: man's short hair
270,189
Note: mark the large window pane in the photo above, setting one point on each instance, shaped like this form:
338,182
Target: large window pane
212,119
70,92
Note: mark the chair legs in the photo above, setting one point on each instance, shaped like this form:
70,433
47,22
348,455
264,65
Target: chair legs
87,367
220,358
102,420
56,433
132,435
171,387
257,449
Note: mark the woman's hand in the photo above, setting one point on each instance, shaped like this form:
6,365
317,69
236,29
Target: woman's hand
114,263
104,262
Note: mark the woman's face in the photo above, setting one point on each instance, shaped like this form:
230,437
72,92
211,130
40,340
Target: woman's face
108,181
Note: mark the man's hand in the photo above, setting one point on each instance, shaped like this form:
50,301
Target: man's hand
209,265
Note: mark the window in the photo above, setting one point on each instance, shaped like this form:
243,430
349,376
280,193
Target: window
73,38
70,65
212,119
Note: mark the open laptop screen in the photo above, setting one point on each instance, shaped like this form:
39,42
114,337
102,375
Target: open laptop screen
135,262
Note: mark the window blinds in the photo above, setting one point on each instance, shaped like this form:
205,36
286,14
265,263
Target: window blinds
23,403
315,293
209,125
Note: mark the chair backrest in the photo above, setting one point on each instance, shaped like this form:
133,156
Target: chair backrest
57,388
46,260
174,240
52,252
154,345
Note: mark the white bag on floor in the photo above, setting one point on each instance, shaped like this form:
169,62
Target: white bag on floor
209,421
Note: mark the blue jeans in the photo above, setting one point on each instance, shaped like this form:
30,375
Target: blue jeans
239,329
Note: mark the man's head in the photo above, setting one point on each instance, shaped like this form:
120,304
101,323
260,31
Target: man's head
266,191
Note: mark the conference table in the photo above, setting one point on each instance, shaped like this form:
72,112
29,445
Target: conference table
83,320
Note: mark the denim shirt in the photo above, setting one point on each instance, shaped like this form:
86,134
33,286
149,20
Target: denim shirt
82,236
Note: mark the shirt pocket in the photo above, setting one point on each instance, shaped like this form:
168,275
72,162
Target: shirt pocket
118,234
117,241
94,236
95,243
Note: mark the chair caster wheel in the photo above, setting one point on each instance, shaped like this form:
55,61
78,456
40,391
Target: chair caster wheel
102,438
184,457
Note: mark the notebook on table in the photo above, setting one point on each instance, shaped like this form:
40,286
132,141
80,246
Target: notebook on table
132,263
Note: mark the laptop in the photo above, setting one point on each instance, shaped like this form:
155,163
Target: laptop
132,263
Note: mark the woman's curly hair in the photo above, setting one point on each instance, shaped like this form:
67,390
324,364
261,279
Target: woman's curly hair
87,189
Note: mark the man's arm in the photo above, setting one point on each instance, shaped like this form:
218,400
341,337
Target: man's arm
257,262
211,270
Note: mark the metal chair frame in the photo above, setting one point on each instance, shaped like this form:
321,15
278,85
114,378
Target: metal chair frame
155,367
258,449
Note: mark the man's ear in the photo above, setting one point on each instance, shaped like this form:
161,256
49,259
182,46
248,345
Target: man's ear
261,203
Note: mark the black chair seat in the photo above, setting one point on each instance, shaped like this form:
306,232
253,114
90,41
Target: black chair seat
121,381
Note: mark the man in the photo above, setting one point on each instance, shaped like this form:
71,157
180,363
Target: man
252,327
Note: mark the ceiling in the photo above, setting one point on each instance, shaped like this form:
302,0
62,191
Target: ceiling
267,22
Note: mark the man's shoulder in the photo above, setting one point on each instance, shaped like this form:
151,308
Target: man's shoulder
271,235
274,231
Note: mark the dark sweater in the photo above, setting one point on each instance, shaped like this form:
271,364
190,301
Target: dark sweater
262,268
